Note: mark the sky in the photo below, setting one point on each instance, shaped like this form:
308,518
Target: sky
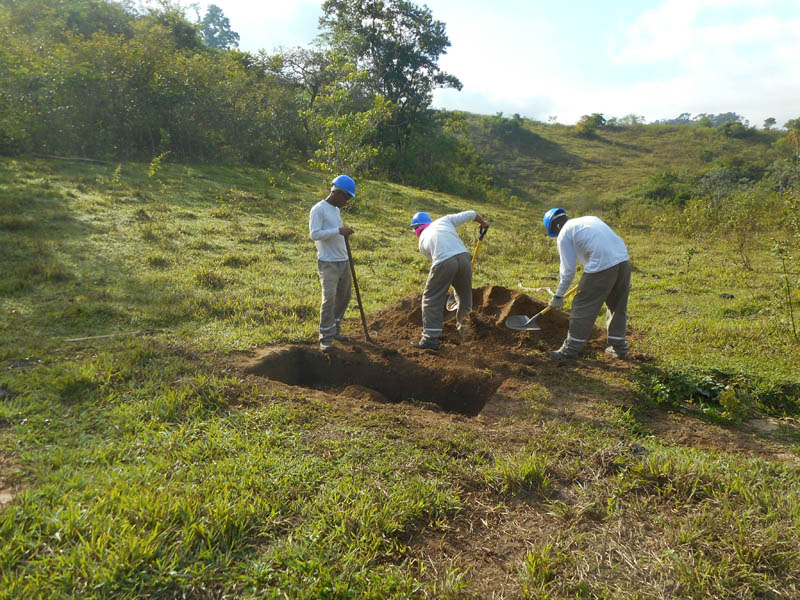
558,60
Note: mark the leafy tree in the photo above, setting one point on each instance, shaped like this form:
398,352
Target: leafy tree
769,123
794,133
733,129
310,71
216,29
705,119
441,157
136,95
588,125
631,120
398,45
728,117
344,129
172,16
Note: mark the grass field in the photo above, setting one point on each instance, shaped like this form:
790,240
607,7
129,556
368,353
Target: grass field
136,461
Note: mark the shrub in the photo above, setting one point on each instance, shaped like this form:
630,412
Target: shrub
725,395
665,188
588,125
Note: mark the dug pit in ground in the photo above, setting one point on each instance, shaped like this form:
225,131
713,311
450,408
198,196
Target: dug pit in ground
462,377
354,371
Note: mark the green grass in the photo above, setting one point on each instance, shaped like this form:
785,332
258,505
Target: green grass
147,468
551,163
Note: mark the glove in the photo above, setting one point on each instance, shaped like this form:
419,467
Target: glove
557,301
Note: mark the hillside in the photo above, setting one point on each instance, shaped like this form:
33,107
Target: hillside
536,161
168,427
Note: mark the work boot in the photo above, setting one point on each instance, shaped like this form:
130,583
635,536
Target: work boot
616,353
560,355
427,344
563,353
326,344
341,338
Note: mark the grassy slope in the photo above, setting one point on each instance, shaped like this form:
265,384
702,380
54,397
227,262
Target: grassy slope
147,467
549,163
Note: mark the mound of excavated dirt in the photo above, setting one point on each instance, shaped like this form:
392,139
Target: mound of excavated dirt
491,306
462,376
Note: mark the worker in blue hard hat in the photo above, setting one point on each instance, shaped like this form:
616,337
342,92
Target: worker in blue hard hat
328,232
606,279
450,265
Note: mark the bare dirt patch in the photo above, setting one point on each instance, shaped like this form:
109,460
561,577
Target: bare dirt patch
497,374
462,377
8,475
497,384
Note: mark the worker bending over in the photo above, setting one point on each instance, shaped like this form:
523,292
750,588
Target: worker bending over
450,265
606,278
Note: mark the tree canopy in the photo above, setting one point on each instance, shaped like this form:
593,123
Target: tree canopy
398,44
216,29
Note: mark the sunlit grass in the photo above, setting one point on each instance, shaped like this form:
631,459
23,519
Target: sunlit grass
149,469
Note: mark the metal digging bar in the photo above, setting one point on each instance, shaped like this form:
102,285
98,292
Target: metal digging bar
523,323
355,285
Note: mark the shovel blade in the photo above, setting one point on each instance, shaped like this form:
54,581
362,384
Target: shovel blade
523,323
452,303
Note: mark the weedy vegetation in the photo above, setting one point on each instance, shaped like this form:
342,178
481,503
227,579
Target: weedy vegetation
143,466
137,460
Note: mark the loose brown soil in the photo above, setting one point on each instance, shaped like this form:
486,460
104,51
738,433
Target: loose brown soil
500,385
8,485
497,373
461,377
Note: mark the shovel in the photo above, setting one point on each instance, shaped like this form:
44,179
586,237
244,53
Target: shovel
355,285
452,303
523,323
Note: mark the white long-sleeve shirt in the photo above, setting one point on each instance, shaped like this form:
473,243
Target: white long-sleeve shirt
324,222
590,242
439,240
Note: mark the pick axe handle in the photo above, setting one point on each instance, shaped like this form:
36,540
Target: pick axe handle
481,232
355,285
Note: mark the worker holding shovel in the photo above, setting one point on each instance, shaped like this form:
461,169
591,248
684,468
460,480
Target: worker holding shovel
328,232
606,278
451,264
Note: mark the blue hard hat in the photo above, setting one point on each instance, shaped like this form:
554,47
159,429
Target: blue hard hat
549,216
346,183
420,218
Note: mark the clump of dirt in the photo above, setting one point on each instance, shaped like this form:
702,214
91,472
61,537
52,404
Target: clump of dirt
491,306
463,376
9,472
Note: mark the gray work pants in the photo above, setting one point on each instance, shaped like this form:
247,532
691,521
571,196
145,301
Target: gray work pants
611,286
455,271
336,291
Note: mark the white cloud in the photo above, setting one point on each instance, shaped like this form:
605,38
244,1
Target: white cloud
517,56
659,34
744,61
672,29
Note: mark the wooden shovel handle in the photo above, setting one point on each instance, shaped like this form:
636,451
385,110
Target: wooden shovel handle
355,285
569,293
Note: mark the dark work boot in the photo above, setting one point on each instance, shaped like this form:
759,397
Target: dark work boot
561,355
427,344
